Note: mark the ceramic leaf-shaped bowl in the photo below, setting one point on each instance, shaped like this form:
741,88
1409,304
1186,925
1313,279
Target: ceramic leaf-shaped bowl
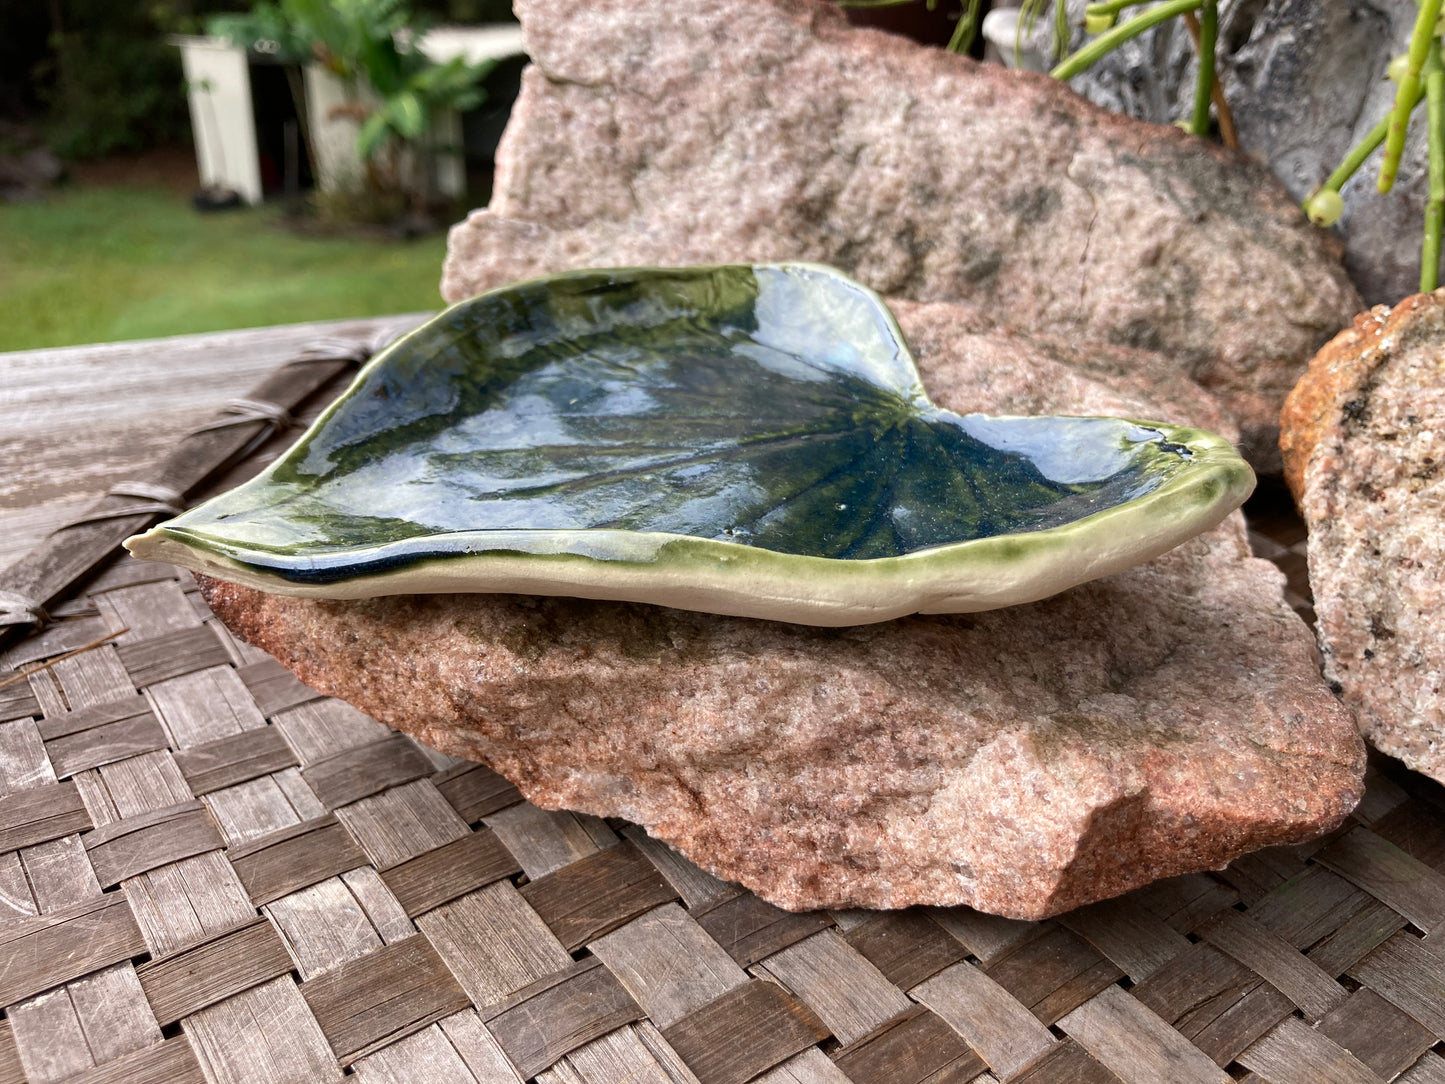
748,440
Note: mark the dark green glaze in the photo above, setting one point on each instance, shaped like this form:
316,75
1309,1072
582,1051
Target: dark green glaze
774,406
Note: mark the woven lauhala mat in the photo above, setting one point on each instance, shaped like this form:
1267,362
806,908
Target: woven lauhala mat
209,872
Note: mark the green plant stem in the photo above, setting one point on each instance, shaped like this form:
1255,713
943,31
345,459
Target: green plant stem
1435,203
1111,39
1113,7
1420,39
966,29
1204,82
1364,148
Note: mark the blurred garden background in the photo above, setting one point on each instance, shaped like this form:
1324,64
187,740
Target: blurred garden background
109,231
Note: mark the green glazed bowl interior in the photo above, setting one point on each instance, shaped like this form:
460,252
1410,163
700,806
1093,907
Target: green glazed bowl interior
749,440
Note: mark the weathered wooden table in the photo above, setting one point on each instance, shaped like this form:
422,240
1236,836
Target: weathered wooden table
209,872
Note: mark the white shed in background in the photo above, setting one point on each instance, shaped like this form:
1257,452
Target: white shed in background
218,81
218,87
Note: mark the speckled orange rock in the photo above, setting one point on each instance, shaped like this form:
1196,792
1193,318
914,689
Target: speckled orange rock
1023,761
717,131
1363,436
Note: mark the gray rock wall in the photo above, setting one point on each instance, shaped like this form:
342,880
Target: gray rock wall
1306,81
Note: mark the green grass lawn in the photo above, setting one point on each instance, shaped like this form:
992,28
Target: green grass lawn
102,264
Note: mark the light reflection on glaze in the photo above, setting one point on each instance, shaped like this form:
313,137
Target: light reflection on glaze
774,406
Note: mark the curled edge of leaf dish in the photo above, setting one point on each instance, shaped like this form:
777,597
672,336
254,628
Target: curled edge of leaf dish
732,578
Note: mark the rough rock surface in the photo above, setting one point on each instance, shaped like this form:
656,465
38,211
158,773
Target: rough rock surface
1023,761
1364,440
735,130
1306,82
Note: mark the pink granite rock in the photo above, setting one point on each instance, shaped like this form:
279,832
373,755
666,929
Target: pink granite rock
1364,439
655,132
1023,761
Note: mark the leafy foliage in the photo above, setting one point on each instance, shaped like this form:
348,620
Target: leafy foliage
370,43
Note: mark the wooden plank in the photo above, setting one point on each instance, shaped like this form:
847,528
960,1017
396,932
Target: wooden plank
668,963
1383,1037
106,744
1430,1069
187,902
619,1057
449,872
262,1036
279,863
23,763
596,894
176,653
1360,935
204,706
382,909
848,994
40,814
1192,979
1003,1032
143,784
1066,1063
1053,974
247,811
812,1066
146,607
380,997
16,701
106,439
323,728
49,1037
92,679
589,1003
424,1055
135,845
274,687
11,1071
16,902
237,759
907,947
59,874
171,1061
1131,938
1135,1044
475,791
1409,975
1224,1028
479,1049
493,943
402,822
670,1060
747,1031
545,840
99,734
698,888
181,983
1296,1051
113,1012
38,953
69,554
986,937
324,927
750,929
1276,961
1309,907
365,770
1183,902
917,1047
1390,875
